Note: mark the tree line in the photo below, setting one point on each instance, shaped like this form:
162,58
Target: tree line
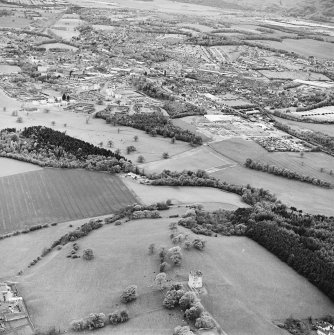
272,169
325,142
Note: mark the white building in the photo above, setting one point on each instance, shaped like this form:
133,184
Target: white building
195,279
7,295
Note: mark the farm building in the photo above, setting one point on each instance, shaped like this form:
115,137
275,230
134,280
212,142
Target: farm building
195,279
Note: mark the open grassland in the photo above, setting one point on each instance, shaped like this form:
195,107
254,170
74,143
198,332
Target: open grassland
185,123
202,158
307,197
18,251
8,103
304,47
314,164
121,259
327,129
96,131
14,22
247,287
55,195
149,194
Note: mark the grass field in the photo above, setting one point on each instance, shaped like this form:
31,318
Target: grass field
186,195
29,246
7,102
305,47
327,129
10,167
247,287
203,158
97,131
55,195
121,259
188,126
310,164
311,199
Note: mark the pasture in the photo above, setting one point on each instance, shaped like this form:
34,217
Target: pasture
307,197
206,196
202,158
247,287
56,195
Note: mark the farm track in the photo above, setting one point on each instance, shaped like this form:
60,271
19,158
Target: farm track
56,195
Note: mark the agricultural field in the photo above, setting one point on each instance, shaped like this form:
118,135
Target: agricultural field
241,279
48,46
6,69
55,195
327,129
293,75
304,47
186,195
318,114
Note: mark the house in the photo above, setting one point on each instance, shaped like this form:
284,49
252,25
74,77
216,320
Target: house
7,295
195,279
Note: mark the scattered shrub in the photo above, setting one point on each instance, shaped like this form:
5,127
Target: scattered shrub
198,244
118,316
187,300
205,321
88,254
129,294
182,330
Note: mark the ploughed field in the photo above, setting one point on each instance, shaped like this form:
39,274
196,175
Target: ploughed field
247,288
55,195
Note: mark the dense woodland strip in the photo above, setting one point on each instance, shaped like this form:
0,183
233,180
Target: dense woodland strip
47,147
156,124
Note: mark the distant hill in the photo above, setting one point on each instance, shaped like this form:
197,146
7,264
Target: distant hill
322,10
